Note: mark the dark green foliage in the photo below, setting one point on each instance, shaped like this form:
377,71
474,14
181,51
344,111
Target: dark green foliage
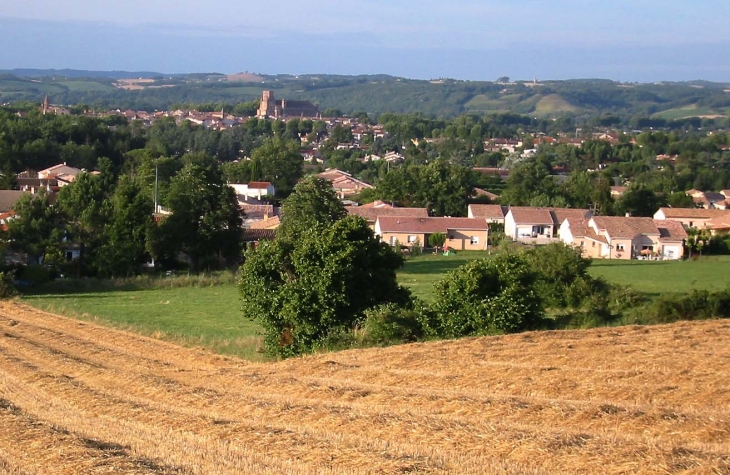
37,229
436,240
313,204
205,222
563,279
440,186
391,324
323,282
7,288
698,305
486,296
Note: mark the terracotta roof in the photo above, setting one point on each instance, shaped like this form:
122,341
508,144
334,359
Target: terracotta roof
670,231
257,211
372,214
488,194
622,227
579,227
254,235
561,214
430,225
487,211
376,204
530,215
271,223
259,185
696,213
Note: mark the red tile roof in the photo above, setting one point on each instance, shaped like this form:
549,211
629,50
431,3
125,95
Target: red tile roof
487,211
670,231
430,225
623,227
372,214
696,213
531,215
259,185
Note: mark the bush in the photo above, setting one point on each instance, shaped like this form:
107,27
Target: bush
698,305
487,296
392,324
37,274
7,288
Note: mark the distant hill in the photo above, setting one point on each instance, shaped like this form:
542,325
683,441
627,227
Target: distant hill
80,73
374,94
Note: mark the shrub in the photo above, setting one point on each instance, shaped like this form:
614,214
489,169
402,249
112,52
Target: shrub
698,305
391,323
416,248
486,296
7,288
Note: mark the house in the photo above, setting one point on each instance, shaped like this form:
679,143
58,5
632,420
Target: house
8,198
618,237
254,190
344,184
255,212
372,211
617,191
59,170
526,223
269,223
691,217
492,213
522,222
479,193
461,233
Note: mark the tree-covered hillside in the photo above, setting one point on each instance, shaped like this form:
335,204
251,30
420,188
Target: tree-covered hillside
376,94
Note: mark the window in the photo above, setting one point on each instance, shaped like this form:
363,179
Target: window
475,239
582,244
593,243
411,239
619,247
393,240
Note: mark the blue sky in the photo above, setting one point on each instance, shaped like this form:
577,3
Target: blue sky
637,40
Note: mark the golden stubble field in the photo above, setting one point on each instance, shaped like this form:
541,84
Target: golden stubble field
77,398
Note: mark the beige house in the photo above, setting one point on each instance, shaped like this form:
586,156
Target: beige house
617,237
344,184
691,217
461,233
372,211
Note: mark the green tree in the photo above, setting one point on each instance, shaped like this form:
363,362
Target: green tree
37,228
123,249
205,221
318,285
280,163
436,240
314,204
639,201
680,199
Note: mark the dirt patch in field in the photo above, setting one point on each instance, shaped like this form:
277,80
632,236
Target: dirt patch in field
89,399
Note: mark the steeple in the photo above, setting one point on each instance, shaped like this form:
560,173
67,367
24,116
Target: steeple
45,106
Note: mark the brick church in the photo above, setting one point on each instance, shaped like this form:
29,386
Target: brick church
270,107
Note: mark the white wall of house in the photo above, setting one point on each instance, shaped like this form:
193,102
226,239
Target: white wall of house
510,228
672,251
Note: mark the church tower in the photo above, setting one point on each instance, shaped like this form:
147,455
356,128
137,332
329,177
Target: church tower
45,106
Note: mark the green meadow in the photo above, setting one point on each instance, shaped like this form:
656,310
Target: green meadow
209,315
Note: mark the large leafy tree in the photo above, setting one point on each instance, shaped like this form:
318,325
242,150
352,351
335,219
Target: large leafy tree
205,221
278,161
441,186
319,276
313,204
321,285
87,211
125,236
37,228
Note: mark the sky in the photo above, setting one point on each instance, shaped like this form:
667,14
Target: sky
624,40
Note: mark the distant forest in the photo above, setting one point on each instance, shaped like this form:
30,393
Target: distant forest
376,94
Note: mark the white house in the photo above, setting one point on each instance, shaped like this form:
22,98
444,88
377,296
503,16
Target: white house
254,190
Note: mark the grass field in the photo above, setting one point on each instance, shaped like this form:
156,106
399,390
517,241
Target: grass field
197,316
210,316
80,398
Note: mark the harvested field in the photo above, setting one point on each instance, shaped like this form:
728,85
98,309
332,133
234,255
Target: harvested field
80,398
